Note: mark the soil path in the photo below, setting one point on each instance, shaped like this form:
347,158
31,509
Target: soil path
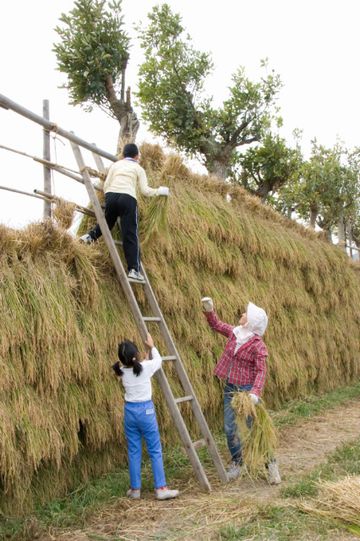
198,516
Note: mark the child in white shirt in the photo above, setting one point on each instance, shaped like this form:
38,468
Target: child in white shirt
140,417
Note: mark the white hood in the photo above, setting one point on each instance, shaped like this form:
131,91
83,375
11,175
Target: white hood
257,319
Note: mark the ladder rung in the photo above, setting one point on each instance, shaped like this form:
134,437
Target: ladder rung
200,443
169,358
152,318
118,242
184,399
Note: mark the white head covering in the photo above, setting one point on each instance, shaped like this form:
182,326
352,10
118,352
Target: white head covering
257,321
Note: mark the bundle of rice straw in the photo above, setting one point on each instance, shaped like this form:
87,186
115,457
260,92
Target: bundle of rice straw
337,500
154,221
64,213
257,432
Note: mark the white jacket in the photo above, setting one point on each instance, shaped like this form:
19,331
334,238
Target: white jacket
125,176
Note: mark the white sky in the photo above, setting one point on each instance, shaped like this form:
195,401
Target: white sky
313,44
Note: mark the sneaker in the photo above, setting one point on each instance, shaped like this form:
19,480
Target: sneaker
133,493
273,473
164,493
86,239
233,471
135,275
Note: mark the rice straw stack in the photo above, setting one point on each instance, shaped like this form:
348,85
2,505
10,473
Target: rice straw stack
155,221
63,213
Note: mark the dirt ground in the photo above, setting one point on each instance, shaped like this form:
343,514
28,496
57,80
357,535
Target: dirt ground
197,516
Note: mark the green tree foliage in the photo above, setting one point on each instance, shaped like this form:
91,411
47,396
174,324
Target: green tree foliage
94,52
267,167
171,91
326,191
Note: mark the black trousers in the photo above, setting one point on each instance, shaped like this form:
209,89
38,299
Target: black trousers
123,206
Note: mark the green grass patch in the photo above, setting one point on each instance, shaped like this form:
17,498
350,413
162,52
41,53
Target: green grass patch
344,461
295,411
276,523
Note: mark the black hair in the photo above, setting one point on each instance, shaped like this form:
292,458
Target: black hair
130,150
129,356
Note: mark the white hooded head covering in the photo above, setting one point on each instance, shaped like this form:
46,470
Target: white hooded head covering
257,321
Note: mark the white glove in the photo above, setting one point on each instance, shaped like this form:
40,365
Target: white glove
163,190
208,304
254,399
98,185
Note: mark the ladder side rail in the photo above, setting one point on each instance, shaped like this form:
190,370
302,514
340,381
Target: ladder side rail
99,162
164,384
185,381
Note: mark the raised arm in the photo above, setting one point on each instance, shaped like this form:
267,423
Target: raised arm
213,320
145,189
154,357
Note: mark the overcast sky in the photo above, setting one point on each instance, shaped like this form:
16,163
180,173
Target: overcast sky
313,44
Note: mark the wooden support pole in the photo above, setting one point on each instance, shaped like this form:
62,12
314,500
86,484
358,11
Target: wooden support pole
6,103
46,156
59,168
38,194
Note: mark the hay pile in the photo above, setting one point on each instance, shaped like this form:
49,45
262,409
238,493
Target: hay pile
337,500
63,313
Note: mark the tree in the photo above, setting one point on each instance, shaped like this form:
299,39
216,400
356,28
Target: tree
326,191
94,53
171,91
267,167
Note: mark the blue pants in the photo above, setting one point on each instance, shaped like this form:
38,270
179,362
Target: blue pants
230,425
140,422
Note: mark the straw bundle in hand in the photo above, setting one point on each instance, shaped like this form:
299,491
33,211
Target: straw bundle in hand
260,440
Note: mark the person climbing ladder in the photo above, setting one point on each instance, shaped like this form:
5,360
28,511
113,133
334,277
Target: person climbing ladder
120,186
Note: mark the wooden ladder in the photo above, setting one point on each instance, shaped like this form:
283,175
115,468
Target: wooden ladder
174,356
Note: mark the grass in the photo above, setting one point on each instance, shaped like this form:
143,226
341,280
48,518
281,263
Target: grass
344,461
66,512
298,410
277,523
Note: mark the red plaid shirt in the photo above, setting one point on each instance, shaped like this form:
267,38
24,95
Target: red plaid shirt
245,367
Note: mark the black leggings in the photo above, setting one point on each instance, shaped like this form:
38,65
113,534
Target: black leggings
123,206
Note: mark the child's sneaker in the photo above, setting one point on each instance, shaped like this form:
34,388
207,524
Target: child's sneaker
273,473
135,275
134,494
86,239
164,493
233,471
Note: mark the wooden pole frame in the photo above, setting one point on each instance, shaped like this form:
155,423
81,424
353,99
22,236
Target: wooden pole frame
47,157
6,103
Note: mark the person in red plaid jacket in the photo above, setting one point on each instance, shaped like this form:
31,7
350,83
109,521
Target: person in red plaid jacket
242,367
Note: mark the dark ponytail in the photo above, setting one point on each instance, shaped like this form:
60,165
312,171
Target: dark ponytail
129,356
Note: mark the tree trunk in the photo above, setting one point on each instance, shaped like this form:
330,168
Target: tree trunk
263,191
328,233
218,169
313,215
349,236
341,233
123,111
